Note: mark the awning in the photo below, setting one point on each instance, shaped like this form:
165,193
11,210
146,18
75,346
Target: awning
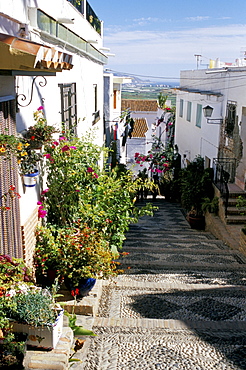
25,55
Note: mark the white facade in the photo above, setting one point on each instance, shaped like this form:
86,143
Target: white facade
220,88
113,119
62,29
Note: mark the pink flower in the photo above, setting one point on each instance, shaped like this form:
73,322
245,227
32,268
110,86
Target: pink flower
89,169
55,143
136,155
40,108
39,203
95,175
72,147
48,156
45,191
78,191
65,148
62,138
41,212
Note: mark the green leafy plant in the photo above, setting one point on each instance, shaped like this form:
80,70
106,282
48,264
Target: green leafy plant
12,271
196,184
241,204
30,305
73,253
209,205
28,163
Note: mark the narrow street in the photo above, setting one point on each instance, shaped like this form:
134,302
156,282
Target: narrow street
181,303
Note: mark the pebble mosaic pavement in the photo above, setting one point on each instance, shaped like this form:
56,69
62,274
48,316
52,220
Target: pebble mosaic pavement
182,305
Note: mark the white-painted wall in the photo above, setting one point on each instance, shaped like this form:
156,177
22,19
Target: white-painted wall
86,72
191,139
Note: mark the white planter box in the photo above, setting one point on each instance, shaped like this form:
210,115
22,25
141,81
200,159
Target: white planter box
46,337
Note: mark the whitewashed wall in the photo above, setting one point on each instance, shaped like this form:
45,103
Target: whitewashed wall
85,73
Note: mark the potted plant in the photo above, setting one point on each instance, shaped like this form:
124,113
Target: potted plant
40,133
77,255
28,163
10,144
196,184
32,310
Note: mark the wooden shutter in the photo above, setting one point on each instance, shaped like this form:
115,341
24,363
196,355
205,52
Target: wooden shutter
10,229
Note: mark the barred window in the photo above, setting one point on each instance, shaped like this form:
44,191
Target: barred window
69,107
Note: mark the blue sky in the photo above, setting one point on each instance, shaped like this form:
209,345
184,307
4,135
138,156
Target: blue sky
160,38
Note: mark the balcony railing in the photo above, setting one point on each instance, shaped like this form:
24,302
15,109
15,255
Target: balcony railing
78,4
91,16
224,173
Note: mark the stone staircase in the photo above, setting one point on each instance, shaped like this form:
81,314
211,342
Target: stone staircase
234,214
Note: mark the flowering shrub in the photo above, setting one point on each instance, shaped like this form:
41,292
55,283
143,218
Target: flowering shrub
72,168
159,158
12,271
73,252
88,211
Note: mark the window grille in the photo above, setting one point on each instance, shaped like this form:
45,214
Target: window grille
230,117
69,107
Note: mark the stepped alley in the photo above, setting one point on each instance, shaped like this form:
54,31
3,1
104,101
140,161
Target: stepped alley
181,305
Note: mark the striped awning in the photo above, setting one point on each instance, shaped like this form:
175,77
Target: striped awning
25,55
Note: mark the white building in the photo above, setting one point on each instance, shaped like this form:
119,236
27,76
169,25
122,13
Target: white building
114,118
222,137
52,55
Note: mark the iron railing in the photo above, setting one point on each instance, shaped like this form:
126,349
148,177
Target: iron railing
224,173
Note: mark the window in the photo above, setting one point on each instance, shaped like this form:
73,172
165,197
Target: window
198,115
230,117
188,115
115,99
96,113
181,108
69,107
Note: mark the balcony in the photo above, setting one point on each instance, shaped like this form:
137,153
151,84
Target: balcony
91,16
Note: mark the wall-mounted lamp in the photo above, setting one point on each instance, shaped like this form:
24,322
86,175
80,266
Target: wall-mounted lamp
208,111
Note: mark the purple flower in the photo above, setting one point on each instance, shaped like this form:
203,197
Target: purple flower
72,147
40,108
62,138
39,203
89,169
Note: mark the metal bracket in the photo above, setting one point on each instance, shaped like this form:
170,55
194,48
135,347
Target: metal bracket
23,97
